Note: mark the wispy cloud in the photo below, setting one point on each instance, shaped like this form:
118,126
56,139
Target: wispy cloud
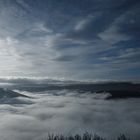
69,39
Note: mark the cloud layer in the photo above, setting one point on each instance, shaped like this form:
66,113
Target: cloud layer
68,113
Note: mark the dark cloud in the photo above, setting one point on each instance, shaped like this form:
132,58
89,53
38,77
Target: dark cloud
66,58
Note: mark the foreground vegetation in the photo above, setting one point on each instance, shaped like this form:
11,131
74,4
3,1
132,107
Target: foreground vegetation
85,136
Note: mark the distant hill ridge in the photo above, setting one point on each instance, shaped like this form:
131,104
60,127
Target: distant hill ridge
6,93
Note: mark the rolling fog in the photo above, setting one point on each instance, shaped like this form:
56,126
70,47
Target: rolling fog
67,112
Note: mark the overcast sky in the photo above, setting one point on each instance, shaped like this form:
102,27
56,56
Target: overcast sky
71,39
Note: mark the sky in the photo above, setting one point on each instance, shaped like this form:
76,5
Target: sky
70,39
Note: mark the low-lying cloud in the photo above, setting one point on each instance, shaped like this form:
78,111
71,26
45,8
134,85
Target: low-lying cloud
69,114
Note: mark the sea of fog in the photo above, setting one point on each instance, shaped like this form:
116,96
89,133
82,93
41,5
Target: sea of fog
67,112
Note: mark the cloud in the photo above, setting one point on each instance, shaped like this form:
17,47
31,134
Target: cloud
66,58
37,30
69,114
23,4
69,39
83,23
113,36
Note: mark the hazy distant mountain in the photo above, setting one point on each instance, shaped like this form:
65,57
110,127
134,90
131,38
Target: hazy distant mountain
5,93
115,89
